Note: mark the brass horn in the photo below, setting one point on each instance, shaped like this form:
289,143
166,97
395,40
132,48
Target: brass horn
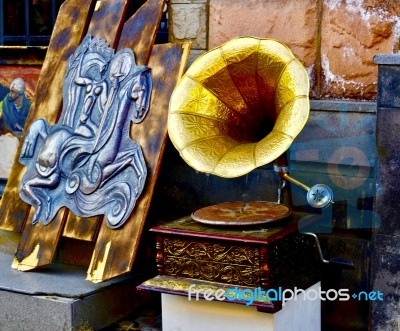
239,106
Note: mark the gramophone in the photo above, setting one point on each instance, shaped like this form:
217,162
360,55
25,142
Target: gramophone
239,107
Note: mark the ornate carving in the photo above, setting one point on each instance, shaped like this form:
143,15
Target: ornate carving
213,271
211,261
160,255
265,273
87,161
234,264
211,251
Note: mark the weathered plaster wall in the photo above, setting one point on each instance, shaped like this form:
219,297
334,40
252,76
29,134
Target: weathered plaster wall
352,33
291,22
334,39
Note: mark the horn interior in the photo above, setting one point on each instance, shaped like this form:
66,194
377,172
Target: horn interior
239,106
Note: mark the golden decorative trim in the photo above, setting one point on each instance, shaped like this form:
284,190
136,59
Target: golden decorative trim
211,251
182,285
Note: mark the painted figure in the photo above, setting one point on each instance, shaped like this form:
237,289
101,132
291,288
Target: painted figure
14,108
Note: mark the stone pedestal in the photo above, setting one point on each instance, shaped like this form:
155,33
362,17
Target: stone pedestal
178,313
386,241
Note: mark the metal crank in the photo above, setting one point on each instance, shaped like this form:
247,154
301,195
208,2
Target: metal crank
344,264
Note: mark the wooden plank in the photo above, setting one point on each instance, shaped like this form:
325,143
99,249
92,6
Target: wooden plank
46,104
140,31
82,228
138,34
115,250
107,20
36,246
41,241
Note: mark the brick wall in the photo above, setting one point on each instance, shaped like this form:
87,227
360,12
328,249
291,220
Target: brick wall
334,39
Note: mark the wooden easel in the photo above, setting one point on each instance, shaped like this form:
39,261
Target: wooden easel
115,250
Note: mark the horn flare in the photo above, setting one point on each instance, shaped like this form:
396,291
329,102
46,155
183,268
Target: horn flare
239,106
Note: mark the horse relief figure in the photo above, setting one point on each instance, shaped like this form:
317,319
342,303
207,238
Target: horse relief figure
87,162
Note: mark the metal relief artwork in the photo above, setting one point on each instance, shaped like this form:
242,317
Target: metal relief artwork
87,162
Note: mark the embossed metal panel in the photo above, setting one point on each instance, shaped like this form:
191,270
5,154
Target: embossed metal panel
233,264
87,161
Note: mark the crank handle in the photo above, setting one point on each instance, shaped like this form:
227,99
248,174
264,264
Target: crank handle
344,264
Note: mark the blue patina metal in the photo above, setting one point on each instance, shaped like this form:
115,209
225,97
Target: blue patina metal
87,162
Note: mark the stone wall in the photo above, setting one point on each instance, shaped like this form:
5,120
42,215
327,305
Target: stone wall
386,239
334,39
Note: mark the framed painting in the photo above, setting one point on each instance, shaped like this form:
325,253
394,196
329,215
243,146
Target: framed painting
19,72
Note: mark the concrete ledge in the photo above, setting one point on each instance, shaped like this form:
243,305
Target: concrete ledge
59,298
389,59
343,106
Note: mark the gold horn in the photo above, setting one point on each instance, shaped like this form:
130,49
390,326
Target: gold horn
239,106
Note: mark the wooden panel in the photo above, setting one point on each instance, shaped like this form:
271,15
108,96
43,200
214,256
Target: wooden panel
140,31
107,20
82,228
36,247
39,240
47,101
116,249
138,34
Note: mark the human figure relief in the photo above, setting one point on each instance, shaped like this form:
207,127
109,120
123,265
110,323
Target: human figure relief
87,161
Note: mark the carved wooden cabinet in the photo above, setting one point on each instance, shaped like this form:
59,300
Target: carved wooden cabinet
259,257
